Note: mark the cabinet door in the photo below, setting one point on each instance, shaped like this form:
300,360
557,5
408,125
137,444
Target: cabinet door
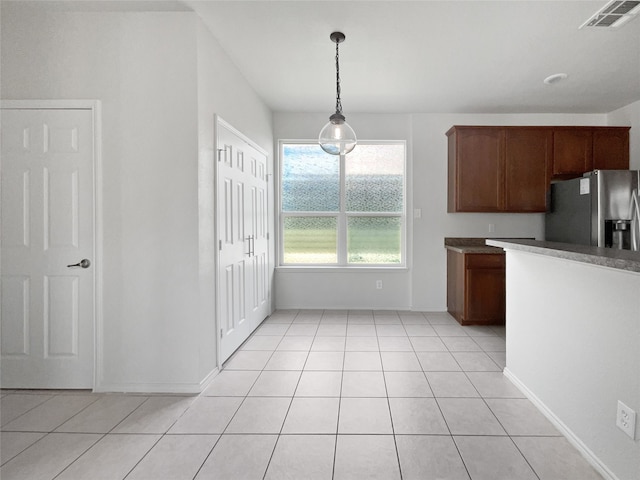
611,148
572,151
479,162
484,289
527,168
455,284
485,302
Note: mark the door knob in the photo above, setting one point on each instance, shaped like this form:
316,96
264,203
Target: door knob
84,263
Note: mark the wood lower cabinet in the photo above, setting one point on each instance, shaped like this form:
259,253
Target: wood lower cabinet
455,284
476,288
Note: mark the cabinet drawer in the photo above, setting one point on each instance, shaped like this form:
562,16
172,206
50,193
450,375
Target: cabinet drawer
484,260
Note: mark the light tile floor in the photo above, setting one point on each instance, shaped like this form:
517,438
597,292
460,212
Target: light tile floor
311,395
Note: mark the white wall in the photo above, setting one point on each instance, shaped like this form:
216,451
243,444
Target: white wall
423,287
301,288
160,77
224,91
572,346
141,66
158,330
629,115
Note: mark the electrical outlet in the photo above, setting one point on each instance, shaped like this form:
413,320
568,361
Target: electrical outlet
492,228
626,420
379,284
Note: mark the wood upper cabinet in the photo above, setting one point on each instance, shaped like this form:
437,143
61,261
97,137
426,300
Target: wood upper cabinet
498,169
476,169
572,151
528,154
611,148
577,150
509,169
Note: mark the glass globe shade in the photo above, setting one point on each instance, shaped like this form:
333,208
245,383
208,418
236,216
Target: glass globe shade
337,137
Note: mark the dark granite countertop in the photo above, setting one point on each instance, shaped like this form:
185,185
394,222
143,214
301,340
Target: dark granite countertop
470,245
604,257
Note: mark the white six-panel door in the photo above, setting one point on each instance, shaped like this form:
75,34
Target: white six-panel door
243,282
47,334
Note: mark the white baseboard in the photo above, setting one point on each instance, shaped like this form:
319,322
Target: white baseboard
593,460
159,388
208,379
323,306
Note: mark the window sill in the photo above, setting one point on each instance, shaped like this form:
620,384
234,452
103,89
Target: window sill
331,269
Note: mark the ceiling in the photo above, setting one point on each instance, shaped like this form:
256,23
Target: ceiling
429,56
420,56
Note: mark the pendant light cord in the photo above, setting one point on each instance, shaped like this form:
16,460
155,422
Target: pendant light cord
338,101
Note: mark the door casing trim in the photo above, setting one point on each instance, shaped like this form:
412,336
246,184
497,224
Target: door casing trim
217,122
95,106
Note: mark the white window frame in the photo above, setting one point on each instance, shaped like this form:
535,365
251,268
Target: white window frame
342,216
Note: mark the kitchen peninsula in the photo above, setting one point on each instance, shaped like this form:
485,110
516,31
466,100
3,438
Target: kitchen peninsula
573,342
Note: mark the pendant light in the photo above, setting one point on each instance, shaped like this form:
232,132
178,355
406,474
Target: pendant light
337,137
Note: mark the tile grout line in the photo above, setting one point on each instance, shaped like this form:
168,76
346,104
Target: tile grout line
524,457
25,448
79,456
279,434
24,413
302,370
204,461
451,436
244,397
335,445
165,434
384,379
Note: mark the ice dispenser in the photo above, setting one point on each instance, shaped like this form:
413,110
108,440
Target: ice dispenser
618,234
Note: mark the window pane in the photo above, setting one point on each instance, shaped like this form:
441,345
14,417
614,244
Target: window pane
374,239
374,178
310,240
310,179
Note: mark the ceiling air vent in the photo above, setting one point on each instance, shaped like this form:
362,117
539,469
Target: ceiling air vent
614,14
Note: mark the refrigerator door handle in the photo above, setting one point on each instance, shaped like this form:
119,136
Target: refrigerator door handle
635,221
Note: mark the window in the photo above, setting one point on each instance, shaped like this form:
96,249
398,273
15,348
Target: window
342,210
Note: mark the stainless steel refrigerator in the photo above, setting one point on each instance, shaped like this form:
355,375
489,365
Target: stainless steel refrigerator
599,209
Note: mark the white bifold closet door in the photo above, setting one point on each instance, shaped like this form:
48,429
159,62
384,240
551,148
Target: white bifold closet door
243,238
